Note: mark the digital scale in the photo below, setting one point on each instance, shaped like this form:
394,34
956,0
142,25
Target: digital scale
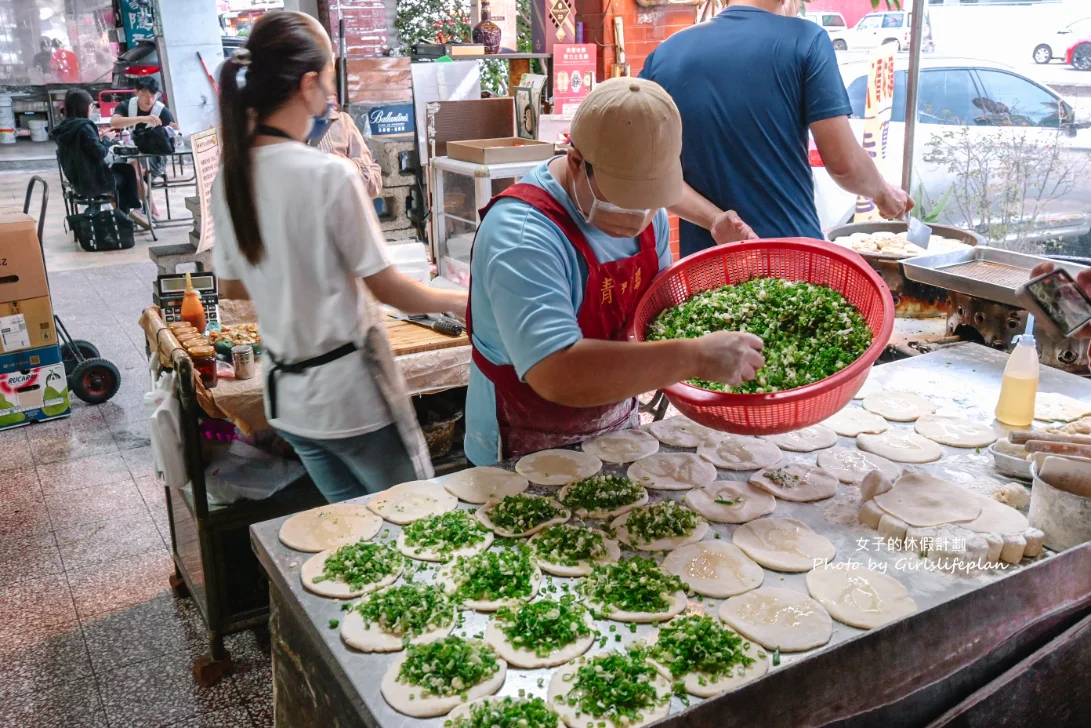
169,289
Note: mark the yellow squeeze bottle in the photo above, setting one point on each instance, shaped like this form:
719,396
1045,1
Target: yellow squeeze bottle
1020,385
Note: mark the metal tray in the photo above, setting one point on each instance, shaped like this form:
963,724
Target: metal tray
989,273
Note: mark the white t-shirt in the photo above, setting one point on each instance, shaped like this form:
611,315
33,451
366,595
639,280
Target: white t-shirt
321,236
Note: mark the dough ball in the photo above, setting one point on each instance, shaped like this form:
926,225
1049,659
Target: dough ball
1013,495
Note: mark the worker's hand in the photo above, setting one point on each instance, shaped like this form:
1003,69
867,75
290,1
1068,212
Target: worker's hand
728,227
894,203
1083,280
729,357
153,120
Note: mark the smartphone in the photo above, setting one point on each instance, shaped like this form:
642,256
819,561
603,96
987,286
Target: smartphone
1056,298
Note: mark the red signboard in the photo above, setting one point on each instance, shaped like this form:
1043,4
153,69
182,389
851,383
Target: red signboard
573,75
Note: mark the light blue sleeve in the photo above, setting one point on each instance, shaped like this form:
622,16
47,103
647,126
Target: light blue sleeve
529,282
663,238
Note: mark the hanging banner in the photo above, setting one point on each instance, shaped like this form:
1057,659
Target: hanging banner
880,103
206,165
573,75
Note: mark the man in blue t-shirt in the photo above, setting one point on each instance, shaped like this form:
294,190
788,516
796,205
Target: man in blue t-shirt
559,265
749,85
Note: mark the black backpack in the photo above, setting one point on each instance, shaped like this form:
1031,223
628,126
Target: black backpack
153,140
102,229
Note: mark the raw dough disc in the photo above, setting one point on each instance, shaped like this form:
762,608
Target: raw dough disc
859,597
483,516
798,482
412,501
527,659
851,421
869,387
410,700
613,554
679,432
997,518
329,527
698,684
714,569
778,618
735,452
661,544
921,500
901,446
420,553
955,431
558,467
672,471
464,709
479,485
449,585
564,679
898,406
748,502
1054,407
337,589
850,465
603,514
677,606
808,439
623,446
375,639
783,544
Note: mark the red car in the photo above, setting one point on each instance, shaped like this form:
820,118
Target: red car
1079,55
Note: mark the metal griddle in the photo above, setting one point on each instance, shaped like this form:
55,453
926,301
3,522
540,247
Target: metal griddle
903,674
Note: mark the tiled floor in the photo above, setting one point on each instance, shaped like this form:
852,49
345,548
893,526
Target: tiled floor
90,634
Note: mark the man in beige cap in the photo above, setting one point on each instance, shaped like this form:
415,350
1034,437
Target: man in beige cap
561,260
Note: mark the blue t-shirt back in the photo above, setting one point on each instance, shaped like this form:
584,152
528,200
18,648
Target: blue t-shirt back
748,84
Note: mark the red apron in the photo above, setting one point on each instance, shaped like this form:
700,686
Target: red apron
528,423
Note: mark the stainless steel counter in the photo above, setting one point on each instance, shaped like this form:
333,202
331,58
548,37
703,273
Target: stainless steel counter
915,667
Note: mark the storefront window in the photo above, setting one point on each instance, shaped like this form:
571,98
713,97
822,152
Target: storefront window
56,41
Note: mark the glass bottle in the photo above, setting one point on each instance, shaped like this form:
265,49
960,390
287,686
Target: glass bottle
487,33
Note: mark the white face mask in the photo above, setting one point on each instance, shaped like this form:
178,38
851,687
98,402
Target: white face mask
620,222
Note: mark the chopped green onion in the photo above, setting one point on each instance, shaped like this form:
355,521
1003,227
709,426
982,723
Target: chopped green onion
361,563
448,666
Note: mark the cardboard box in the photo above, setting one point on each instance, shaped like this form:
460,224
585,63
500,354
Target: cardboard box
22,269
26,325
500,151
33,387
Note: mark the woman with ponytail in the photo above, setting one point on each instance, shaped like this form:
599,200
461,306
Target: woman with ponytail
297,234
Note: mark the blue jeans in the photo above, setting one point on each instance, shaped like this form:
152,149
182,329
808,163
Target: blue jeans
354,466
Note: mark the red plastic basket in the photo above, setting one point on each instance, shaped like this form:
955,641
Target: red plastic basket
794,259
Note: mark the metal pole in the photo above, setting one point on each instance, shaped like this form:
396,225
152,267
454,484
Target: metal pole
916,39
342,62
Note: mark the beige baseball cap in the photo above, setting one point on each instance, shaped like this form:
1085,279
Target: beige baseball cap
630,131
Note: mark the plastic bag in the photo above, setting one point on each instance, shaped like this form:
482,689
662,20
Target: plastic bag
239,471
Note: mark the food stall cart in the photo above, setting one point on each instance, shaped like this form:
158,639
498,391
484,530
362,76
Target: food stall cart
984,649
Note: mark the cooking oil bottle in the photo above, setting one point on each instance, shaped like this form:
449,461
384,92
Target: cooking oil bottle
1020,385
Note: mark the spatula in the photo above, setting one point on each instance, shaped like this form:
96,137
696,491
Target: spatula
919,234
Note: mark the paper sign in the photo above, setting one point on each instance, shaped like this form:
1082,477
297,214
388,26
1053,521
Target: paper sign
206,165
13,333
573,75
880,103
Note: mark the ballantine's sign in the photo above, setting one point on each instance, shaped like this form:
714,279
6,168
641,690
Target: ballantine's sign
385,120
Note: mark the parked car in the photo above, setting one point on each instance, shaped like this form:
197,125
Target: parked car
1079,55
827,20
1056,48
985,97
876,29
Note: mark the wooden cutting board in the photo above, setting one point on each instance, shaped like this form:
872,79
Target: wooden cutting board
407,338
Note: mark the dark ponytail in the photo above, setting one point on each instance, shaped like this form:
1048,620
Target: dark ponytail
282,48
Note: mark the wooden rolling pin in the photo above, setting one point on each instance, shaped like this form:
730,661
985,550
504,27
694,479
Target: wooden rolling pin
1059,448
1021,436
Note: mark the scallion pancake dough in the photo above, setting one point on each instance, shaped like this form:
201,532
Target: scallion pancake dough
850,466
337,588
613,554
737,452
605,514
527,659
449,584
672,471
1055,407
783,544
373,638
660,544
558,467
329,527
997,518
859,597
852,421
922,500
742,502
901,446
411,700
463,711
623,446
797,482
898,406
808,439
714,569
422,553
778,618
700,685
679,432
483,516
480,485
564,679
412,501
677,606
955,431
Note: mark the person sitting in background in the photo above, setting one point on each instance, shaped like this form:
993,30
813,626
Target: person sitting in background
43,59
142,111
82,155
340,135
